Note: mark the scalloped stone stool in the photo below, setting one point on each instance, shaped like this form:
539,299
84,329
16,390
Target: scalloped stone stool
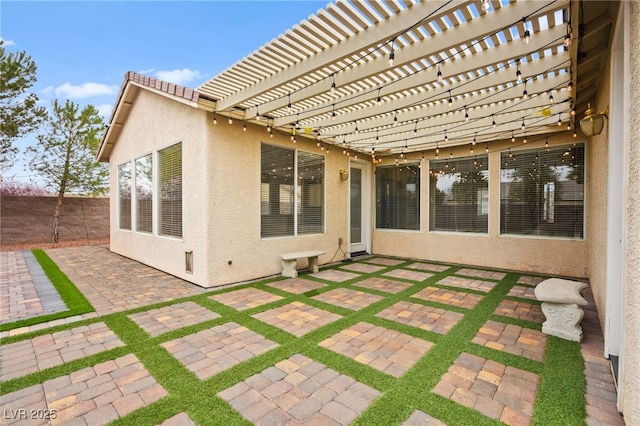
560,299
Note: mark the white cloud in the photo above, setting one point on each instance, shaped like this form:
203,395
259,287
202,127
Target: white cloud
181,77
146,72
8,42
104,110
85,90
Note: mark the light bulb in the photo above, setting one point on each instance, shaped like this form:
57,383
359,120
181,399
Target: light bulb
527,37
391,58
486,5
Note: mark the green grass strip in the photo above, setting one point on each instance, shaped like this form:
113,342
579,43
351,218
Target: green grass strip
76,303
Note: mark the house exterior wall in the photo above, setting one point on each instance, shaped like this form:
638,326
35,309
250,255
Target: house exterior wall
156,122
563,257
631,289
237,251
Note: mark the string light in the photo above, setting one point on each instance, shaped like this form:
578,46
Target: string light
527,34
486,5
395,118
525,94
569,86
523,126
466,114
518,74
450,99
475,135
230,119
289,102
493,121
486,147
446,138
244,126
379,100
524,140
439,74
215,119
333,84
257,114
356,131
559,120
513,137
551,100
392,54
333,113
437,150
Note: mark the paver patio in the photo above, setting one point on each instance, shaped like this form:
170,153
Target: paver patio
221,356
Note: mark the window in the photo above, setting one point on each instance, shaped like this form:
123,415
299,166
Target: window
291,192
459,195
144,194
170,190
398,197
542,192
124,196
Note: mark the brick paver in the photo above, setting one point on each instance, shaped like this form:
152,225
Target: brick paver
246,298
449,297
383,284
384,261
296,285
495,390
421,316
419,418
93,396
408,275
426,266
173,317
481,273
299,390
389,351
335,275
362,267
530,280
479,285
347,298
49,350
19,298
522,292
512,339
181,419
106,278
297,318
216,349
520,310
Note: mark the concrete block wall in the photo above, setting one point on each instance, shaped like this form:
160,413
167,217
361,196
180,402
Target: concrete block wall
30,219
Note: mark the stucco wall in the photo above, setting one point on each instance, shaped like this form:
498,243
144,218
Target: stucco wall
631,289
563,257
234,205
155,123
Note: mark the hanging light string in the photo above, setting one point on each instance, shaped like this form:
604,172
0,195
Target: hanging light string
382,46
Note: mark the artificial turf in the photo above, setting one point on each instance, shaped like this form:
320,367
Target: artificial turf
560,395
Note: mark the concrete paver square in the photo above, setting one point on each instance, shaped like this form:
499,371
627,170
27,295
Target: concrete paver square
297,318
449,297
460,282
246,298
335,275
173,317
494,389
426,266
530,280
408,275
421,316
384,261
299,390
347,298
481,273
216,349
512,339
93,396
383,284
520,310
362,267
389,351
296,285
523,292
420,418
49,350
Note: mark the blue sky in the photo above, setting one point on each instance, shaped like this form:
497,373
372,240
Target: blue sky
83,48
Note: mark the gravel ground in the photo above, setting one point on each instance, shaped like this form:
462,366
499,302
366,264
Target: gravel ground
77,243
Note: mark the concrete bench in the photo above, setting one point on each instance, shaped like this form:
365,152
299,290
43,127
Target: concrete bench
289,261
560,299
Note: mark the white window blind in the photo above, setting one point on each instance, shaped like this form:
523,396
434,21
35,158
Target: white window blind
398,197
124,196
291,192
310,191
542,192
144,194
459,195
170,190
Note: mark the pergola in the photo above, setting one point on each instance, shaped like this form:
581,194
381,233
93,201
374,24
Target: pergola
403,76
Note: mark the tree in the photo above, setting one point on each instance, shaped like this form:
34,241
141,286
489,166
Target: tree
65,155
19,113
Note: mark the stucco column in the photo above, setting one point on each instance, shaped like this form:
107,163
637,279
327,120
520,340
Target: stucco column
631,290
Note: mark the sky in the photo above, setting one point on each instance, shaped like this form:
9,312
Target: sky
83,48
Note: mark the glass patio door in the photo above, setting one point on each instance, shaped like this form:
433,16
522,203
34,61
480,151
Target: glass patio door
359,208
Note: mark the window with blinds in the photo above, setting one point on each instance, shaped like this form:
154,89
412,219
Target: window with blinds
542,192
170,190
144,194
124,196
291,192
459,195
398,197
